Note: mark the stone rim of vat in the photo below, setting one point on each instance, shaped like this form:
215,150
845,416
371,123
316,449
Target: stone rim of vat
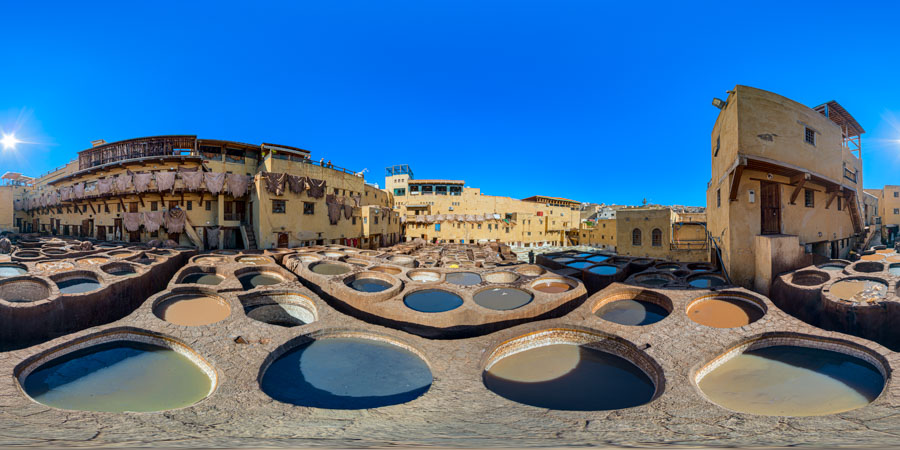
329,333
164,296
835,262
192,269
637,294
278,297
783,338
121,334
530,270
552,278
867,267
577,335
78,273
241,258
308,267
819,277
640,277
738,295
110,267
696,275
395,284
52,291
211,259
414,272
272,270
828,296
500,277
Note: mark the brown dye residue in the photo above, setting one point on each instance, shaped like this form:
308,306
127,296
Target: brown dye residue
887,251
193,310
893,259
387,270
551,287
54,266
875,257
859,290
724,312
91,261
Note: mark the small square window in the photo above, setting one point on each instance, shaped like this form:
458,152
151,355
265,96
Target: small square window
153,206
190,205
810,136
208,205
309,208
896,194
810,198
278,206
896,211
718,198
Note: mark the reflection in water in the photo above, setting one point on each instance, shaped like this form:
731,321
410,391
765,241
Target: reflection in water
119,376
792,381
463,278
77,285
579,264
11,271
432,301
569,377
347,373
632,312
258,279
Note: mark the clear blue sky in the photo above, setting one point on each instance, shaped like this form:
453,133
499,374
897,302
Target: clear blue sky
590,100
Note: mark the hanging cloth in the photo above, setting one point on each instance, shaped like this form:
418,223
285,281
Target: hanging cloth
132,221
334,209
296,184
274,182
212,237
78,190
214,182
191,179
5,246
237,184
165,181
175,220
315,188
142,182
104,186
153,220
122,182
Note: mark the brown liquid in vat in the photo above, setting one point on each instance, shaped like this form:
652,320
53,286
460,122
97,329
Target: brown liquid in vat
193,310
875,257
724,312
859,290
387,270
551,287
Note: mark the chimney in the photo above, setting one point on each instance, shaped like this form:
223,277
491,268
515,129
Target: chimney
98,143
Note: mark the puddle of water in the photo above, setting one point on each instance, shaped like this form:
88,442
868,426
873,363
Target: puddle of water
369,285
569,377
463,278
192,310
117,377
77,285
793,381
329,269
209,279
724,312
432,301
859,290
632,312
347,373
502,299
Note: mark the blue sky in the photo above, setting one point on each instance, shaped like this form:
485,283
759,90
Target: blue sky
590,100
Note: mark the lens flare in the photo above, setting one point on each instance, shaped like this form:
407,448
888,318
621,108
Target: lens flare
9,141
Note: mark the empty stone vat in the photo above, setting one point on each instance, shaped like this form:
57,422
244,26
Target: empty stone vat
119,269
530,270
809,277
284,309
868,266
256,278
369,282
24,289
501,277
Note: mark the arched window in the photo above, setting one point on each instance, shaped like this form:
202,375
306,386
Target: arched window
636,237
656,237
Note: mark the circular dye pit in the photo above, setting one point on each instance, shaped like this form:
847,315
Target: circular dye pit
863,291
632,312
724,312
569,377
329,268
54,266
254,260
24,290
387,270
192,310
833,267
894,269
872,257
346,373
604,270
284,310
463,278
92,261
501,277
209,279
530,270
370,285
706,281
598,258
119,270
253,280
809,278
77,285
551,286
792,381
423,276
117,377
432,301
563,259
668,267
579,264
502,298
333,254
654,280
12,270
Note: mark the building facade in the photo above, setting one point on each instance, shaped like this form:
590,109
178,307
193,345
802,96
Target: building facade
786,185
661,232
207,193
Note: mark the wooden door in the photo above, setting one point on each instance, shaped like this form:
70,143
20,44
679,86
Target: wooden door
282,240
101,233
86,228
117,227
770,208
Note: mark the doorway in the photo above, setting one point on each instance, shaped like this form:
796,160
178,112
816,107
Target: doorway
770,208
283,240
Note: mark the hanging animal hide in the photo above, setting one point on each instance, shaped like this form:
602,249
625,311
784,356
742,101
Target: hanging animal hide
153,220
214,181
316,188
122,183
142,182
212,237
132,221
236,184
191,179
296,184
165,181
274,182
104,186
175,220
78,190
334,209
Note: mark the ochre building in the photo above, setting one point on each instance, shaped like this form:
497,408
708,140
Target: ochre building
203,192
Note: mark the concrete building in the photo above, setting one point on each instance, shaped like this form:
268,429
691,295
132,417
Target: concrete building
786,185
442,210
662,232
207,193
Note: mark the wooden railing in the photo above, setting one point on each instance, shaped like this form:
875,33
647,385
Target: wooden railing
136,148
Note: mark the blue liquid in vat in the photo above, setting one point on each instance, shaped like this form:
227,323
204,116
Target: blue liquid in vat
598,258
604,270
580,264
706,281
369,285
432,301
632,312
77,285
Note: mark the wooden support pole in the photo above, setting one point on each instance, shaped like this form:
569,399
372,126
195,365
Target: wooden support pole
798,181
736,180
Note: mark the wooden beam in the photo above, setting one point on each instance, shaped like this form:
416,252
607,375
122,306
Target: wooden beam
141,199
92,208
122,204
736,180
831,197
798,181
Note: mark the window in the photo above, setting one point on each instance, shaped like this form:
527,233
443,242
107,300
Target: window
400,191
810,136
896,211
278,206
636,237
896,194
153,206
437,227
656,237
809,198
839,203
716,153
309,208
190,205
376,220
354,220
208,205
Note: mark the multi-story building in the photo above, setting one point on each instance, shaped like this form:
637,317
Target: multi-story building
786,184
450,212
662,232
597,233
208,193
